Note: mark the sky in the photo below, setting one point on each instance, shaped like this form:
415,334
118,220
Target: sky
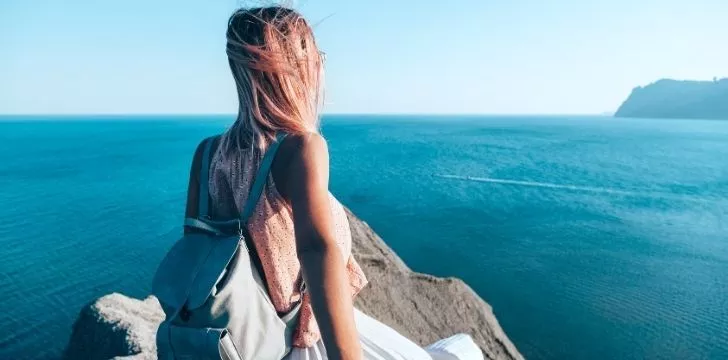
383,56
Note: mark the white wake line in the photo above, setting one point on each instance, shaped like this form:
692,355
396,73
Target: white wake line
560,186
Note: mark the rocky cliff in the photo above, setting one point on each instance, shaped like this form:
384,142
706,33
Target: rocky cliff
678,99
422,307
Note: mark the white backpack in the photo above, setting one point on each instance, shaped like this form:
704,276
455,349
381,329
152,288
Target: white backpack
212,289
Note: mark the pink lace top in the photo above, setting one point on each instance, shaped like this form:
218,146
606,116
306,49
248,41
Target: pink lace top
271,227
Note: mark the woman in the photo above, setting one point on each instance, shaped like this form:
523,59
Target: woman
298,227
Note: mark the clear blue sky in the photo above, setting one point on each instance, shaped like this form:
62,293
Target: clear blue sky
384,56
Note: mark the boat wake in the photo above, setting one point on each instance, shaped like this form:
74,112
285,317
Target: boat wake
590,189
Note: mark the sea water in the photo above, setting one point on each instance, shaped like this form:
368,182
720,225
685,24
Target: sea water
591,237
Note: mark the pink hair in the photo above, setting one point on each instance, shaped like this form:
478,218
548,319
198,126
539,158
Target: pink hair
278,73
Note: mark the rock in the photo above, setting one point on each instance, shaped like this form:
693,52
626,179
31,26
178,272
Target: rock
675,99
116,326
422,307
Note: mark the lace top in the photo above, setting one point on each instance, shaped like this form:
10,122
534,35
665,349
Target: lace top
271,229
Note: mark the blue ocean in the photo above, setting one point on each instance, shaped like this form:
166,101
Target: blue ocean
591,237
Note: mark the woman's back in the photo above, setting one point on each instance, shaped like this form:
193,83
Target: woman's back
271,228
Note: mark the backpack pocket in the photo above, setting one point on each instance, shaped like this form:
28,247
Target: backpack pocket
176,342
189,272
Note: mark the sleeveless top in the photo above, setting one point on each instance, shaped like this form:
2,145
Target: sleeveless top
271,229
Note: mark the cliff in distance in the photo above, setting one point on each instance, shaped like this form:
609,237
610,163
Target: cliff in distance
678,100
422,307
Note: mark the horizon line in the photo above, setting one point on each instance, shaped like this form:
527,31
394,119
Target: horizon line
134,114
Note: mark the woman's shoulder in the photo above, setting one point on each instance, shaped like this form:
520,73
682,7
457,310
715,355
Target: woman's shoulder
210,142
303,158
305,148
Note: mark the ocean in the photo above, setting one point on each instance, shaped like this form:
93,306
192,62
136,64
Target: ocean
591,237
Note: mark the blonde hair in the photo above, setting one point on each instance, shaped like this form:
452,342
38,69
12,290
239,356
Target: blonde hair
278,73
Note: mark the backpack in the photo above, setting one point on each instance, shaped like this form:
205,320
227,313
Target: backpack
212,289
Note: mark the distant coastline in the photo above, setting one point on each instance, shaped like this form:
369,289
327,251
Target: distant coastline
675,99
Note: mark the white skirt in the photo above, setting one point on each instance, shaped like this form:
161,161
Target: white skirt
380,342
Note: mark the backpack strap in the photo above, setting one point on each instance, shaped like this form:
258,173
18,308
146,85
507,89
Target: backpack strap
203,204
261,178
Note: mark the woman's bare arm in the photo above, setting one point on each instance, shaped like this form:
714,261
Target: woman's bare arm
304,166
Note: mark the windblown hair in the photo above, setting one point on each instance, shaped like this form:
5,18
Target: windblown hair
278,73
